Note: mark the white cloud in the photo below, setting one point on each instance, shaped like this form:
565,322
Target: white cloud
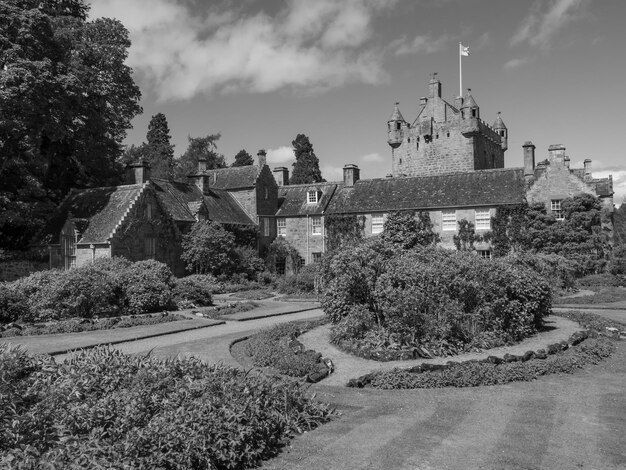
540,26
310,46
420,44
515,63
373,158
281,156
332,173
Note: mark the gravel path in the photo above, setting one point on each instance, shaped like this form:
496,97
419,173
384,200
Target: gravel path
349,367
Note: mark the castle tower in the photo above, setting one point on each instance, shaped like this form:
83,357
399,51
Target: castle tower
444,137
395,125
502,131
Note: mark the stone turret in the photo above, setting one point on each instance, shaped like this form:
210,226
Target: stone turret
470,109
502,131
395,126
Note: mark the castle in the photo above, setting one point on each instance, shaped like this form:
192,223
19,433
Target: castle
448,162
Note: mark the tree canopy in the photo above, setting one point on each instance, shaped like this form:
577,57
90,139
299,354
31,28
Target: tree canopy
199,147
306,168
66,101
243,158
408,229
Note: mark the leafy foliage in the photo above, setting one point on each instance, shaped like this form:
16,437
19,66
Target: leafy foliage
302,282
209,249
199,148
466,236
442,299
343,229
281,250
103,409
407,229
306,168
67,100
243,158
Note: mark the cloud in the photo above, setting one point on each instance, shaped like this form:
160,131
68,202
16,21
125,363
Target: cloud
514,63
599,169
332,173
280,156
420,44
180,52
373,158
540,26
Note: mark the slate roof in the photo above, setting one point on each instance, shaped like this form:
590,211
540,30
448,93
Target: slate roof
293,200
95,212
471,189
183,201
396,115
234,178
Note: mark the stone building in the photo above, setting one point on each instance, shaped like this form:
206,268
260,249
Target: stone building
147,219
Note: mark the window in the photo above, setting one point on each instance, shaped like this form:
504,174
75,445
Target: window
313,197
447,134
555,207
378,221
448,220
317,257
482,219
265,221
69,247
398,125
316,225
150,247
281,227
484,253
148,211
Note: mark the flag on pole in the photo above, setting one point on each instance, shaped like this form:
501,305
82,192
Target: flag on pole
464,49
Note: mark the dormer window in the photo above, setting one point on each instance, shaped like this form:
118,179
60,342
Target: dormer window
313,197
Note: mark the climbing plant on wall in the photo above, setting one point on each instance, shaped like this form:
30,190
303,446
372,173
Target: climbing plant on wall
342,229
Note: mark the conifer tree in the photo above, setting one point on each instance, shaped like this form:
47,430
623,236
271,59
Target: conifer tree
306,168
243,158
199,147
158,151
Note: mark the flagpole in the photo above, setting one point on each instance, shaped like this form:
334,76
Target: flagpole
460,71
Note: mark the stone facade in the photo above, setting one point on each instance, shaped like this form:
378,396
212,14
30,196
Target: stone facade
445,138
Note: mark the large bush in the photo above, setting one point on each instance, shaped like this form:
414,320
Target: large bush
193,291
12,305
148,287
104,409
429,296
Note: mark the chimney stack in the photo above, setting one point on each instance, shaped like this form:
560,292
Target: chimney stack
557,153
529,159
141,171
262,156
351,174
567,161
587,167
281,175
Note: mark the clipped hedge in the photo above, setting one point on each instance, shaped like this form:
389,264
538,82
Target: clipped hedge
380,298
103,409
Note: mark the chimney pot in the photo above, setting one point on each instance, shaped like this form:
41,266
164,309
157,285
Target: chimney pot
262,156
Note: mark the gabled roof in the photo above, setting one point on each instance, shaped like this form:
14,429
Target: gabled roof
234,178
97,211
293,200
471,189
183,201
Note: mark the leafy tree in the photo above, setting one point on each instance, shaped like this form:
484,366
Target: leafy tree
209,249
306,168
343,229
66,101
466,237
619,225
158,151
243,158
199,147
282,250
404,229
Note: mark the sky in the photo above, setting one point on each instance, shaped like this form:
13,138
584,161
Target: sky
261,72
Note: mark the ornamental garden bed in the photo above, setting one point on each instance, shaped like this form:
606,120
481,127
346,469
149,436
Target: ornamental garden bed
228,308
278,351
77,325
585,348
104,409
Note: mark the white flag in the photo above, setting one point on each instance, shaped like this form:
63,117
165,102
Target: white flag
464,49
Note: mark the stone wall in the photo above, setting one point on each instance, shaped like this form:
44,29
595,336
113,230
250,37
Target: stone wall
556,182
299,235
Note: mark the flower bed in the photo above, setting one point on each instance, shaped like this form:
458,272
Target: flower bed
83,324
104,409
279,349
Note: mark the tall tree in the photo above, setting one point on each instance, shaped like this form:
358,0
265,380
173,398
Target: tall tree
158,151
199,147
243,158
306,168
66,101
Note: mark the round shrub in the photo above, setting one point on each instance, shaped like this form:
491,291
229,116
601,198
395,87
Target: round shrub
149,285
194,290
13,305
